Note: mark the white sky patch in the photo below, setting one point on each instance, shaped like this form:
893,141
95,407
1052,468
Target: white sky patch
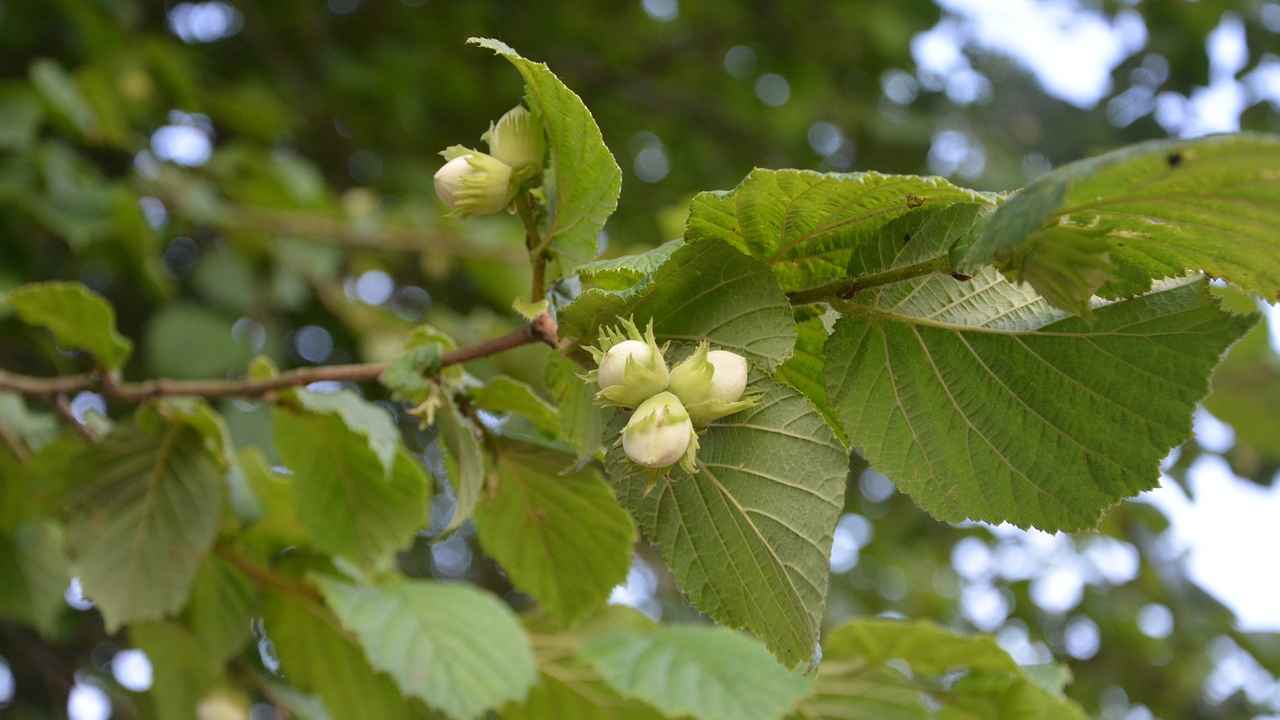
1212,434
1223,532
639,590
1264,81
1227,47
88,702
1216,108
1070,50
132,669
7,687
186,140
1273,321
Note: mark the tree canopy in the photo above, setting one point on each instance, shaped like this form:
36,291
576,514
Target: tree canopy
275,417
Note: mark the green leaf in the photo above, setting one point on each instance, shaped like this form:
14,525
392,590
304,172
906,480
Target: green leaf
347,500
623,272
503,394
576,694
705,672
35,488
749,537
581,420
186,340
529,310
1246,391
302,705
22,113
35,429
563,539
184,671
1142,213
223,605
804,371
876,669
706,289
930,649
143,519
583,180
406,376
197,414
982,401
917,240
77,317
457,648
804,224
33,575
361,416
317,656
61,94
464,461
275,493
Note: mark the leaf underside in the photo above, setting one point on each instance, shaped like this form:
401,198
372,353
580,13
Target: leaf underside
748,537
983,402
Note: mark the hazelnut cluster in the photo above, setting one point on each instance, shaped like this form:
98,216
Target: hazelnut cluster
670,406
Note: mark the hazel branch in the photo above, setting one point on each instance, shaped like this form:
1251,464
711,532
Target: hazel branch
541,330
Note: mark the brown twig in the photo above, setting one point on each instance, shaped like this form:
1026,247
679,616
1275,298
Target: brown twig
15,443
68,415
264,576
541,330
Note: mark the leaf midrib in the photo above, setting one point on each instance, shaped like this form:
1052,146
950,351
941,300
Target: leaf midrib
874,313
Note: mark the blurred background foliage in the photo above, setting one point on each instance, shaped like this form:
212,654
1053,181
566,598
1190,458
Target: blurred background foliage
245,178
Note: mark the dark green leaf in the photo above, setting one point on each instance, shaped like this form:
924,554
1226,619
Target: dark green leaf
873,669
347,500
223,605
562,538
275,494
623,272
503,394
581,420
804,371
184,671
1142,213
34,429
185,340
144,516
360,416
982,402
804,224
77,317
22,114
317,656
33,574
464,460
705,290
61,94
583,180
749,537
